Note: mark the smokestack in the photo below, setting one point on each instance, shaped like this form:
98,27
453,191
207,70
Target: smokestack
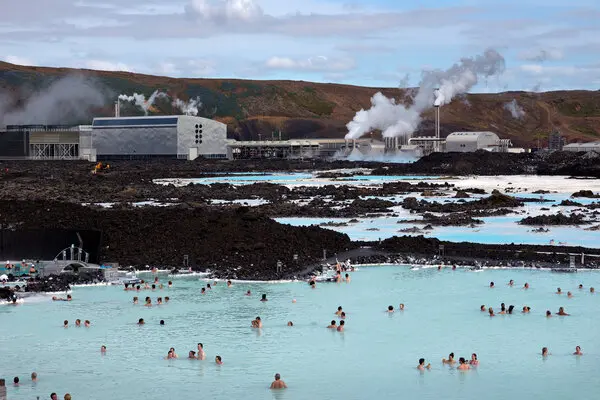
117,109
437,104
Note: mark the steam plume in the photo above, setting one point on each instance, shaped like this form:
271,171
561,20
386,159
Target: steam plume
395,119
515,109
188,108
67,100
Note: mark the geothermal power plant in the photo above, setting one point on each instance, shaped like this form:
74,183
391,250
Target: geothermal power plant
188,136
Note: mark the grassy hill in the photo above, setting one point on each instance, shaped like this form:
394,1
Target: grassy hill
305,109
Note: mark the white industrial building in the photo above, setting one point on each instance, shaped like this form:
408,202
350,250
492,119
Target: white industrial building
577,147
463,142
175,136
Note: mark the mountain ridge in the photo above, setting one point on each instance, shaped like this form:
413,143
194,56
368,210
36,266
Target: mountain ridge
254,109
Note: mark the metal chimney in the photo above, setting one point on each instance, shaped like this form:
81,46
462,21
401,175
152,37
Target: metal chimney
117,109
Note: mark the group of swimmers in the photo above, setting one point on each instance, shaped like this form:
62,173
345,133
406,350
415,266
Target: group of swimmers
148,301
558,290
546,352
193,355
147,286
17,383
69,298
463,364
86,323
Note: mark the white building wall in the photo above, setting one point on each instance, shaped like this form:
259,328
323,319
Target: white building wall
207,135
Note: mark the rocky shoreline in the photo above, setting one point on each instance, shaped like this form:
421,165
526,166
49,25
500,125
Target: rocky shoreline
240,242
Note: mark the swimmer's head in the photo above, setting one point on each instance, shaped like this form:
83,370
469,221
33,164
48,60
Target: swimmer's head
65,323
200,346
491,284
421,361
402,306
390,308
342,322
451,356
162,321
333,322
141,321
277,377
473,356
482,308
290,323
462,360
340,308
548,313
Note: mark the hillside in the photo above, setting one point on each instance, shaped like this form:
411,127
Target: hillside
304,109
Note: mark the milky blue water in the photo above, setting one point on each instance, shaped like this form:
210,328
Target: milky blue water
374,358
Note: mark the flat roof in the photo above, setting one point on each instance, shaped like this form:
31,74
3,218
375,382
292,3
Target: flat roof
135,121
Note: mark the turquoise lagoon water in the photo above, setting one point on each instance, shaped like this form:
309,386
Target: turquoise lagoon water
374,358
501,230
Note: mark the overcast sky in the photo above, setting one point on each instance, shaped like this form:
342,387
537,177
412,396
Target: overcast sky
548,44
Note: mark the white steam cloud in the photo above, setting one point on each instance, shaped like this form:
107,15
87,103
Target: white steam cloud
515,109
395,119
67,100
190,107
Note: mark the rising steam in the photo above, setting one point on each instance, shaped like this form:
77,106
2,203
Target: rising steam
188,108
515,109
70,99
395,119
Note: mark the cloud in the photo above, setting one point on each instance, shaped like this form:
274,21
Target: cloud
319,63
224,11
102,65
541,55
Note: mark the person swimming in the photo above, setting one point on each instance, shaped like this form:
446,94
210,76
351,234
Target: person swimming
510,309
577,351
545,352
312,284
341,327
78,323
592,290
332,325
511,283
141,321
561,311
548,313
148,302
474,360
172,349
103,349
558,291
526,309
159,301
491,312
228,283
491,284
162,322
401,308
450,359
482,308
526,285
339,311
170,284
203,291
167,299
390,309
580,286
264,297
208,287
87,323
135,300
290,323
65,323
347,278
463,364
192,355
169,355
248,293
257,323
422,366
502,309
218,360
569,295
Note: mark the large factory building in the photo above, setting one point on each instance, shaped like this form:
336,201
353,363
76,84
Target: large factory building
177,136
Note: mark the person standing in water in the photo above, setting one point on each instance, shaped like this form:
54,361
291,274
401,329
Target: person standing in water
201,353
450,359
463,366
578,351
341,327
422,366
278,383
332,325
545,352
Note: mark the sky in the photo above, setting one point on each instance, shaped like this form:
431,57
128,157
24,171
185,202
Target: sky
547,44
